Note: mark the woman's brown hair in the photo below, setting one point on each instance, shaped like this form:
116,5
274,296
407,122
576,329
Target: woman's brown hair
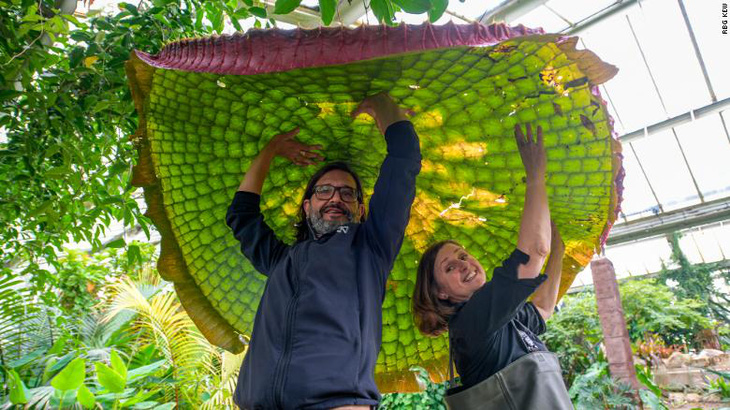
431,313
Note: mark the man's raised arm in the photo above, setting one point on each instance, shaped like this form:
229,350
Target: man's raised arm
395,189
258,241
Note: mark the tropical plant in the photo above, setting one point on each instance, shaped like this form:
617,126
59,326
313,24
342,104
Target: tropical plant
137,346
696,281
719,385
162,323
652,395
431,396
651,307
574,334
65,106
651,311
651,348
596,389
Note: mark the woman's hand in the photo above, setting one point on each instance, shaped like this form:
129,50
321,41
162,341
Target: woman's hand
557,246
532,152
383,109
284,145
534,236
546,296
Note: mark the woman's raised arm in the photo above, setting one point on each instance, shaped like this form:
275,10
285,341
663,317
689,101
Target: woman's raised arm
534,236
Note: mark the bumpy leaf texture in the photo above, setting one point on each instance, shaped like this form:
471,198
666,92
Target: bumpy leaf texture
208,106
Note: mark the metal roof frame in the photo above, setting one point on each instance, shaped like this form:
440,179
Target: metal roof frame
668,222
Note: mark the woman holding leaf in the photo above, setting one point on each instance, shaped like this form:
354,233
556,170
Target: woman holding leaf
492,329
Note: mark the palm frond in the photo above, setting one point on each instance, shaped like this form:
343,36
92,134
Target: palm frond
24,324
162,321
229,365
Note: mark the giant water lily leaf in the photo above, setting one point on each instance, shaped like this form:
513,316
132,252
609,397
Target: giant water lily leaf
208,106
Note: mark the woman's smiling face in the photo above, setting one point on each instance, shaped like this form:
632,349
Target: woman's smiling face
457,273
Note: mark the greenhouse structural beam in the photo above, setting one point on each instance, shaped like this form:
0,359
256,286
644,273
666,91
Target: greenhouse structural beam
303,17
349,12
668,222
510,10
715,266
607,12
689,116
346,15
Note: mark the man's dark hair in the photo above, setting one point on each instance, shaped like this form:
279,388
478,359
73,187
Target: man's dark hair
302,226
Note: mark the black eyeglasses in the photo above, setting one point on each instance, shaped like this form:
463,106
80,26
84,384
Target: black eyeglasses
326,192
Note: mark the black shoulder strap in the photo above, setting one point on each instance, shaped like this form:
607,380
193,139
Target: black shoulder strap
452,384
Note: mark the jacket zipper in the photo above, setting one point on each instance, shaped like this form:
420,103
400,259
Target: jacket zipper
283,365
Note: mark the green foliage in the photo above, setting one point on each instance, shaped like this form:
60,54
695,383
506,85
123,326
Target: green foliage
574,333
64,105
414,6
652,396
439,7
595,389
85,397
720,385
110,379
695,281
327,9
71,377
286,6
18,391
77,275
651,307
384,11
116,360
430,398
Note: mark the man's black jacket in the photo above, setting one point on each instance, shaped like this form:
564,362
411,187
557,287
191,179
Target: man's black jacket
317,331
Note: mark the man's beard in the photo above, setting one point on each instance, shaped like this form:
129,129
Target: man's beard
320,226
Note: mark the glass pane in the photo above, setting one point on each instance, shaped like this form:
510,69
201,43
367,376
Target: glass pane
472,9
639,258
618,125
638,201
690,247
707,149
422,18
576,11
583,278
675,69
722,233
415,18
666,170
705,17
631,89
632,259
701,245
544,18
368,18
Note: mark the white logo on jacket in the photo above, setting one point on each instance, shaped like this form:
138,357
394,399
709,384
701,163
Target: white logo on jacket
343,229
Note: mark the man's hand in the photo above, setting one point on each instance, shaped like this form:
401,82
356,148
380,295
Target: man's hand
532,152
383,109
284,145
